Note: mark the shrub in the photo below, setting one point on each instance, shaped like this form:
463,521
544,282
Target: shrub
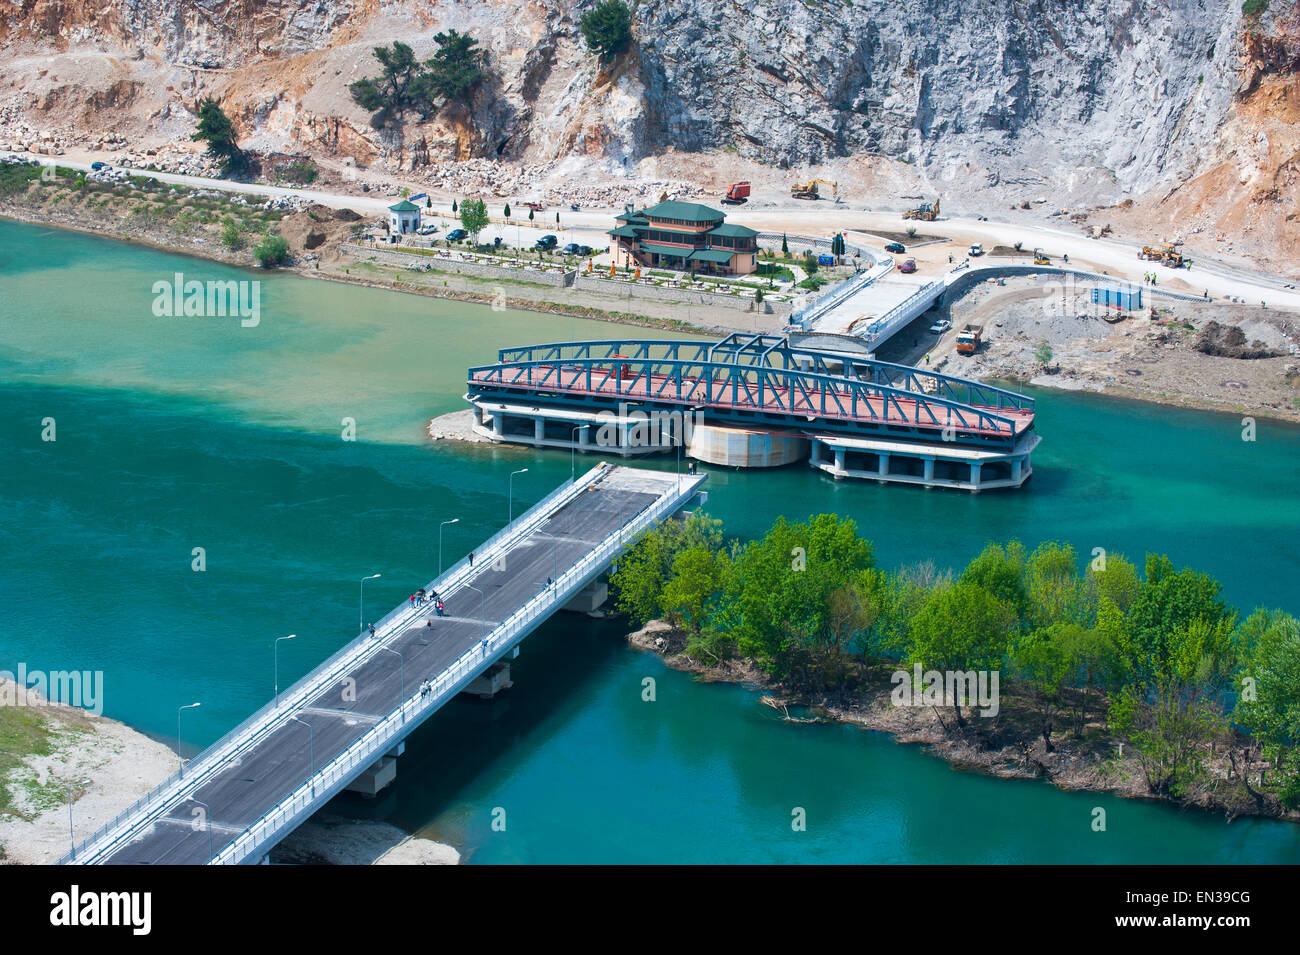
272,251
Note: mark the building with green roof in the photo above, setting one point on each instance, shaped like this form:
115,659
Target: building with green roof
403,217
685,236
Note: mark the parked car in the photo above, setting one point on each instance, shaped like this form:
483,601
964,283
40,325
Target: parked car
977,249
941,326
546,242
455,235
572,249
909,265
97,166
896,247
428,229
585,250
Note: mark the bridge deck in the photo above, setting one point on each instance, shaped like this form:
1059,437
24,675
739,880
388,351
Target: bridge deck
904,412
341,711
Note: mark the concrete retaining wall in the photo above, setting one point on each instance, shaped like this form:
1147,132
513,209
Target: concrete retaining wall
408,260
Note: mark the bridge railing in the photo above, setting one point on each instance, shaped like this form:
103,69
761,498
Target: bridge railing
334,776
730,386
255,728
761,351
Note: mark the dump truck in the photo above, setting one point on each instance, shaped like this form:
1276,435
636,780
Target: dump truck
924,212
808,190
968,339
738,193
1040,258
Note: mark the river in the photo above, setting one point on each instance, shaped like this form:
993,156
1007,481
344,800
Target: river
181,433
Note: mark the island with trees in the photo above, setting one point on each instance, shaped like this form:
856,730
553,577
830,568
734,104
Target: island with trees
1143,682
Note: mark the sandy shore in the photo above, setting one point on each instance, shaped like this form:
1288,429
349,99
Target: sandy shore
107,766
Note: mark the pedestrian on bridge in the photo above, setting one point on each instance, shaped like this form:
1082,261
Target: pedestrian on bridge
471,558
372,631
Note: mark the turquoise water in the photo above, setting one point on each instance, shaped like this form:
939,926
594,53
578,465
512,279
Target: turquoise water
182,433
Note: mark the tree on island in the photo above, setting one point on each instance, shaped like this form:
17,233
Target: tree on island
607,28
216,129
405,84
473,217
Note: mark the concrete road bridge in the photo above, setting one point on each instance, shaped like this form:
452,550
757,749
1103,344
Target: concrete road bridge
344,723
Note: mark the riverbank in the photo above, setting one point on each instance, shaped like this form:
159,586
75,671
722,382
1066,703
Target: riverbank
49,752
1009,745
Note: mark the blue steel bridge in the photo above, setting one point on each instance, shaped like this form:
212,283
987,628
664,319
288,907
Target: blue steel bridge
760,382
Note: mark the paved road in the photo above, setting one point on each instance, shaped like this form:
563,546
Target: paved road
266,773
1109,255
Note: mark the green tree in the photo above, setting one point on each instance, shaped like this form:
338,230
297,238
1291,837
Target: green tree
641,574
999,570
1268,705
272,251
1043,353
405,84
785,246
455,68
1168,603
697,576
473,217
786,581
1041,661
216,129
506,210
607,28
1051,584
962,627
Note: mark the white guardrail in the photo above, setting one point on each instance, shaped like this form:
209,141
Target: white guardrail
415,709
125,825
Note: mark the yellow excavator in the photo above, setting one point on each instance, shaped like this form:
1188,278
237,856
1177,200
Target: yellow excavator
1166,253
808,190
1040,258
924,212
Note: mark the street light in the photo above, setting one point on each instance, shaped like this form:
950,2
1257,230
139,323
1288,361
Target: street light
454,520
573,450
482,602
402,660
207,824
180,762
361,613
277,665
72,842
311,749
510,497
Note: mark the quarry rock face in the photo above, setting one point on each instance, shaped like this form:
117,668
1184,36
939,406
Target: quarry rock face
1107,97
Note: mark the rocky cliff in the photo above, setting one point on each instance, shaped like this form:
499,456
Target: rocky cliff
1077,98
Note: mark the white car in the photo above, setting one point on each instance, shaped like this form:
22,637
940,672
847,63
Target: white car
976,249
939,327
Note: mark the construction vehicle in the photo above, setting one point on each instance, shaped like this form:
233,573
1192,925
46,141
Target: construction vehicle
977,249
968,339
1040,258
924,212
1166,254
808,190
738,193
